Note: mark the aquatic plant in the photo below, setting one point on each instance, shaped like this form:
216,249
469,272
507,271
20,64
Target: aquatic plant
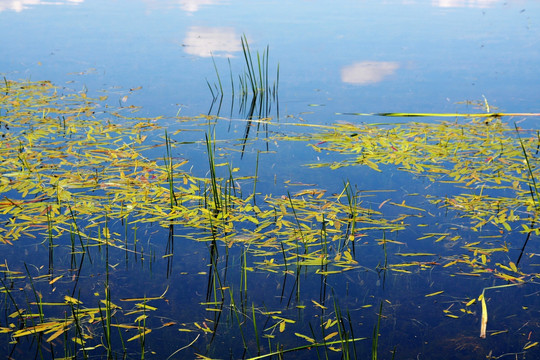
69,172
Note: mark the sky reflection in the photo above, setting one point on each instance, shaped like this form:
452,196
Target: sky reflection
192,6
368,72
397,54
189,6
195,5
212,41
20,5
466,3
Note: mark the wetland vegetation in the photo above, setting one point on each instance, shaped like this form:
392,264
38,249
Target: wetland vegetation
168,190
116,245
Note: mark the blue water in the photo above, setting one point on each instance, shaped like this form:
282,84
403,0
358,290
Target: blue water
334,57
349,56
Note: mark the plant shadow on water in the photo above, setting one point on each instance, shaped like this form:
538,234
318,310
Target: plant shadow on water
115,248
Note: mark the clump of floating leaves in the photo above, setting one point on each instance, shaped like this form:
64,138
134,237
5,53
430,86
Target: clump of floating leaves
494,165
61,161
69,165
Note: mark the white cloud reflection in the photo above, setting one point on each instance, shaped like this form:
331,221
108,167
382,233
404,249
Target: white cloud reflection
20,5
368,72
212,41
189,6
194,5
465,3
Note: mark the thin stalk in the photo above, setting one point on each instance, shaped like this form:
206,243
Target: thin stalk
217,74
298,224
525,243
243,275
313,336
37,296
284,256
78,330
108,314
8,292
169,166
255,179
233,306
343,336
355,356
375,341
121,339
142,338
50,237
255,329
309,346
529,168
249,64
213,177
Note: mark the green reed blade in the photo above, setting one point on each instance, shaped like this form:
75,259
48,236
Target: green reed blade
478,115
213,177
36,294
375,340
255,329
304,347
529,168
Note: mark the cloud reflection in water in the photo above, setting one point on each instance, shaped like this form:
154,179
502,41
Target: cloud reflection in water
368,72
20,5
212,41
194,5
465,3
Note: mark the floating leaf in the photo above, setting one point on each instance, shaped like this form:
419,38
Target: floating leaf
319,305
141,334
305,337
331,335
530,345
484,319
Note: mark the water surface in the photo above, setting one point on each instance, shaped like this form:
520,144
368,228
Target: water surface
452,56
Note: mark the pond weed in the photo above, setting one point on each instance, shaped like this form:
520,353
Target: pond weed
83,185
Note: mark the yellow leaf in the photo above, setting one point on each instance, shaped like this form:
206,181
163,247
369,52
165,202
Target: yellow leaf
305,337
141,318
513,266
78,340
330,323
38,328
329,336
435,293
282,326
57,333
55,279
415,254
483,322
139,335
319,305
110,304
124,326
71,300
16,313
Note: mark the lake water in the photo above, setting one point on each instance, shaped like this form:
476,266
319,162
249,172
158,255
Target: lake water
216,293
